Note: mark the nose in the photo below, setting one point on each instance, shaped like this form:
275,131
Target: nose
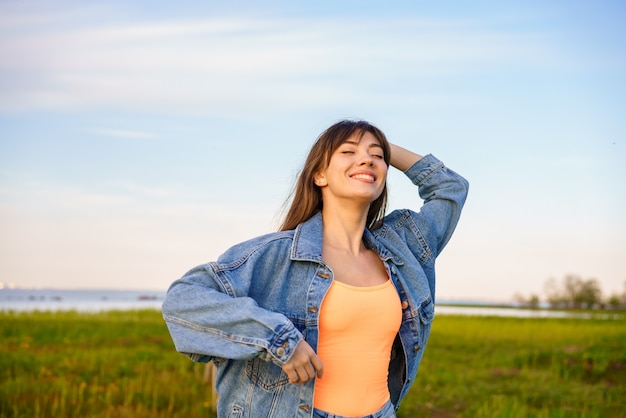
366,159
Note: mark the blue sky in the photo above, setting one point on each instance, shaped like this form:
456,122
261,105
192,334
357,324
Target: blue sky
139,140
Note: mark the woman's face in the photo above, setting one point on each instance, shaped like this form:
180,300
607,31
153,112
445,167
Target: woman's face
357,170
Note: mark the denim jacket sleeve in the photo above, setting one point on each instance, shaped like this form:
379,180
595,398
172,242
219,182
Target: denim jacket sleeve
444,193
210,315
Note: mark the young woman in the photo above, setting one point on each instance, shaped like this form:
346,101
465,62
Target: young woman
329,316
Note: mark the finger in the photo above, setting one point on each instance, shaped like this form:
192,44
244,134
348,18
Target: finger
310,370
303,375
292,375
318,365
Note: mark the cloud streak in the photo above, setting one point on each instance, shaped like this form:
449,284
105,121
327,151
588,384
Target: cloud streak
120,133
220,65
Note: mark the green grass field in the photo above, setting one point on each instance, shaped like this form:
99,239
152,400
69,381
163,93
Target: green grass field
123,364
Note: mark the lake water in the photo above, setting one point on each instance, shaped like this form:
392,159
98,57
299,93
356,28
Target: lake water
521,313
78,300
105,300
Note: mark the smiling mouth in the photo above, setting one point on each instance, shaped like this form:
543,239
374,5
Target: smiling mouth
366,177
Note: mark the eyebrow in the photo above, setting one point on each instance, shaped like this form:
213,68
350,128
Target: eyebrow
372,145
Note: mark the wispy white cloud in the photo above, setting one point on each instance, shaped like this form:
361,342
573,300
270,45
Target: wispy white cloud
19,197
126,199
121,133
222,65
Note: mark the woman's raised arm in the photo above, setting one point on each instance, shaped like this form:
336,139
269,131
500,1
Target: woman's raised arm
402,158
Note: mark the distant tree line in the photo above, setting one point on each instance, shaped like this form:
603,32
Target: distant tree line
574,292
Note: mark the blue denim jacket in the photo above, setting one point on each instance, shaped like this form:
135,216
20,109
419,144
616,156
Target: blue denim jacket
248,311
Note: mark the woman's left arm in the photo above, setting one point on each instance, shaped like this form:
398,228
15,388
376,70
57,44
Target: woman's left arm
402,158
444,193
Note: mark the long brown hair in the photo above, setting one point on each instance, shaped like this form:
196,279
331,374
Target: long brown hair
306,197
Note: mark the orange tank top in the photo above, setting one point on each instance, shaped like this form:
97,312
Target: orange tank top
356,331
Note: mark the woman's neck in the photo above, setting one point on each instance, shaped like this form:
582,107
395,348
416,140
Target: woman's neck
343,229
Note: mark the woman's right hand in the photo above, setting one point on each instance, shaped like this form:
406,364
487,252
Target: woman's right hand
304,364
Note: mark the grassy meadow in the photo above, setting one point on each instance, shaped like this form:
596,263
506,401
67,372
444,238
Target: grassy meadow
123,364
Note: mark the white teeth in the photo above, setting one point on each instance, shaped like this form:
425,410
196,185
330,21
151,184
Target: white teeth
363,177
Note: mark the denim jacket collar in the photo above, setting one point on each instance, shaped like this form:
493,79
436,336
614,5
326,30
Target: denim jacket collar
307,242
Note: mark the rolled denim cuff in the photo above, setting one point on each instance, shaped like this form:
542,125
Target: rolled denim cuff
283,346
423,169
